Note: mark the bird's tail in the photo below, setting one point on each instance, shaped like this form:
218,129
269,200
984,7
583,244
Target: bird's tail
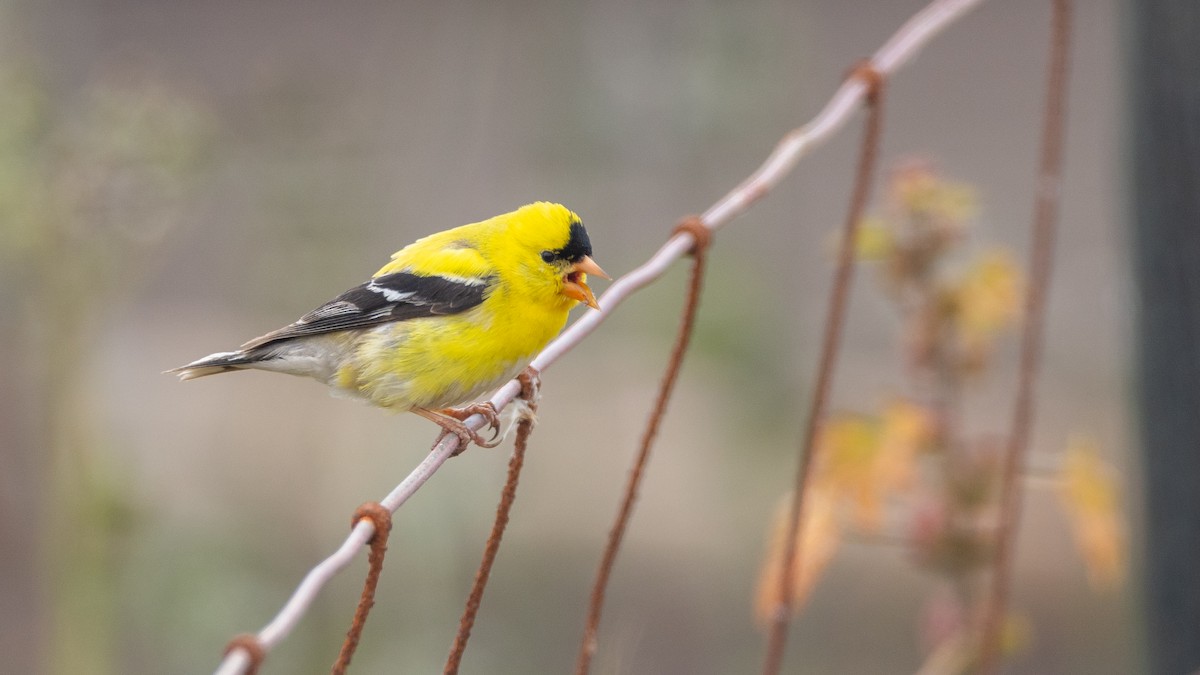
221,362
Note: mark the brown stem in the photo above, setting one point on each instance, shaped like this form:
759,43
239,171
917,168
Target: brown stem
843,276
587,647
507,496
382,518
1041,263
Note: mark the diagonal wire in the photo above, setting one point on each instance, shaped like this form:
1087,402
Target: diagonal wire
587,647
1041,264
908,40
830,343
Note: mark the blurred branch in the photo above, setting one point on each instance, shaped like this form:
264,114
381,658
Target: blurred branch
1041,263
904,45
839,295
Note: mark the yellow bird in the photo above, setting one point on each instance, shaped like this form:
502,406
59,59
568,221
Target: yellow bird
452,316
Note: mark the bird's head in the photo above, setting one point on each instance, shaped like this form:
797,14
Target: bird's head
558,240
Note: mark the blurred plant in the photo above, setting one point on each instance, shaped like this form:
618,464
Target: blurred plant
1090,495
84,200
820,537
913,453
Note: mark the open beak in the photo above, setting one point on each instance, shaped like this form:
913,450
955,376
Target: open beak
575,285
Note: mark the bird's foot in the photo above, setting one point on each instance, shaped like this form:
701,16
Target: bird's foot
485,409
451,419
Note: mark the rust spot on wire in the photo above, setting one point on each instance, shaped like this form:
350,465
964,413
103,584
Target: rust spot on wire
703,238
382,519
530,384
255,652
701,235
830,343
1041,263
866,72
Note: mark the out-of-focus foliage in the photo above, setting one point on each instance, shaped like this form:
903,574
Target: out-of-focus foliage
23,198
819,540
915,454
1091,497
84,199
986,301
98,186
864,460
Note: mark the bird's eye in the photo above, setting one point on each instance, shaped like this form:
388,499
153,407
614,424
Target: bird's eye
548,256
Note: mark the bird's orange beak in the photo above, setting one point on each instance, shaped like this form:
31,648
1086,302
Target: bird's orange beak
575,286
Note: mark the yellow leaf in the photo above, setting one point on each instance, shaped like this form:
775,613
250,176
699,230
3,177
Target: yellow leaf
989,298
1090,494
874,240
848,444
907,424
864,460
986,301
818,540
906,429
848,451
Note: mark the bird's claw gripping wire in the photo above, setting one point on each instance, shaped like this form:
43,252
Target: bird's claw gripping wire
451,420
490,415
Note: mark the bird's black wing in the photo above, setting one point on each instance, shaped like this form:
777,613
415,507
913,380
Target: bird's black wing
398,296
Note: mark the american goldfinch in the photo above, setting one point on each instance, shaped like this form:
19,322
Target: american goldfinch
452,316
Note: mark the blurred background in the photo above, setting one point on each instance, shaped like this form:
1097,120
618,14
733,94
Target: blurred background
179,177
